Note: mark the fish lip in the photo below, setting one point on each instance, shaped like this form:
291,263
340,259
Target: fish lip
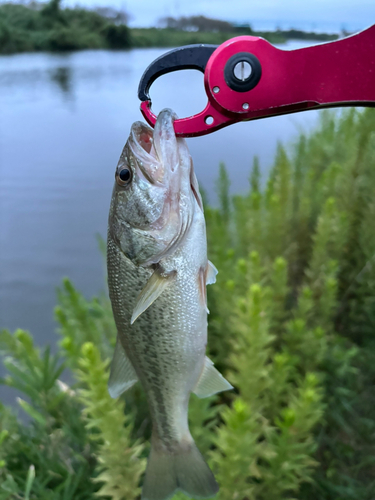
165,140
137,129
166,117
155,151
140,143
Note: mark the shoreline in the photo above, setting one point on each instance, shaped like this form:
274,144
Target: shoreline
150,38
51,29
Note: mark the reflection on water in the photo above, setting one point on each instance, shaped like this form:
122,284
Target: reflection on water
64,121
62,76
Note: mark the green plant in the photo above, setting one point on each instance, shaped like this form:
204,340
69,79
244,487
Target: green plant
119,465
291,326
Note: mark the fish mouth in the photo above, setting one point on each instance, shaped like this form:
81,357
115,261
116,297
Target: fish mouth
141,136
140,143
166,144
165,160
156,152
163,189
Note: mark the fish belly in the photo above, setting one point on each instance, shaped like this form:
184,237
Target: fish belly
166,344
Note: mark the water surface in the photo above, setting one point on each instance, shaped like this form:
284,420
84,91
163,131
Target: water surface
63,122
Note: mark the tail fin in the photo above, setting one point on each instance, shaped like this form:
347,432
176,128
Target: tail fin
183,469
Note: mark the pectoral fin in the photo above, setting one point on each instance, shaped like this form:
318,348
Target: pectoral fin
155,286
122,375
202,288
211,273
211,381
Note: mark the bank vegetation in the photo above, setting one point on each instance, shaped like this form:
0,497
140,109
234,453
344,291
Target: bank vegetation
38,26
292,327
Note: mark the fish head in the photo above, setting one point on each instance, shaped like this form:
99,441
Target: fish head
153,200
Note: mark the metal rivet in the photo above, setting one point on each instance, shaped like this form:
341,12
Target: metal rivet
242,70
216,90
245,105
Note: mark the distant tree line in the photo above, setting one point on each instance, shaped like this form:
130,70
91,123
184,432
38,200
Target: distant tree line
38,26
196,23
205,24
294,34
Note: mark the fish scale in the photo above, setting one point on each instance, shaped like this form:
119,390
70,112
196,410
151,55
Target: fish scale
170,346
157,275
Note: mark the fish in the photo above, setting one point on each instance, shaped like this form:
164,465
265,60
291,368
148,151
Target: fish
157,276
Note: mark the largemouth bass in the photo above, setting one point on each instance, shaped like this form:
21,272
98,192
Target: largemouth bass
157,276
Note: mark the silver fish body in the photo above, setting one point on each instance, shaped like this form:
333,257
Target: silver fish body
157,275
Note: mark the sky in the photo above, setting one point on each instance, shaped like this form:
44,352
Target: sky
318,15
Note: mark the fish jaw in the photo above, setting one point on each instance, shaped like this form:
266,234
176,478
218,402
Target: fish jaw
150,217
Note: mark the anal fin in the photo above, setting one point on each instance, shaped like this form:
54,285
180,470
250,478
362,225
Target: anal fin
122,375
211,381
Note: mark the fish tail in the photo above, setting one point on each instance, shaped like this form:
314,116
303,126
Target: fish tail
183,468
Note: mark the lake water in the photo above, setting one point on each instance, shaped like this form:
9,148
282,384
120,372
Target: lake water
63,122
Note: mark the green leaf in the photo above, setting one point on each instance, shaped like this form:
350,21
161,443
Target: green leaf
32,412
29,481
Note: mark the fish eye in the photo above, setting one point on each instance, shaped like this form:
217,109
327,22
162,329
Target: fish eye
123,177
